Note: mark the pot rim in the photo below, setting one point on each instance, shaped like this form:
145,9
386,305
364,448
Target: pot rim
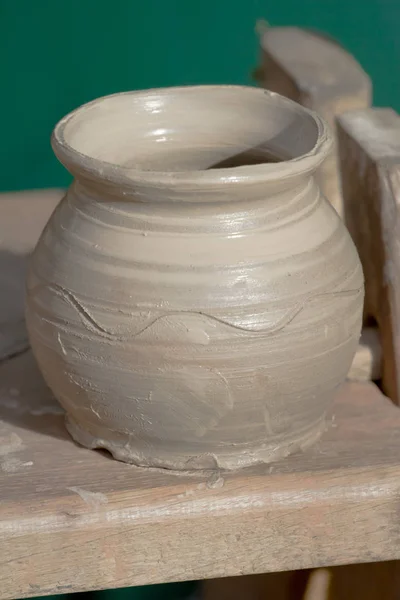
84,166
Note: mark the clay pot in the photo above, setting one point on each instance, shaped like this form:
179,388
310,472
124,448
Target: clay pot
192,303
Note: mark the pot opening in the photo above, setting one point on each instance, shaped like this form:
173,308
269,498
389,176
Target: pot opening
201,131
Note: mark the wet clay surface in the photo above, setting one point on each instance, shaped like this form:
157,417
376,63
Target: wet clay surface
189,315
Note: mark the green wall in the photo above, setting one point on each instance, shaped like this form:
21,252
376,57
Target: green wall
57,54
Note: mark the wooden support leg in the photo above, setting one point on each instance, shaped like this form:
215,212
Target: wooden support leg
369,581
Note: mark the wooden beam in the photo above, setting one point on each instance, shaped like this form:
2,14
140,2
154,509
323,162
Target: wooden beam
369,147
317,72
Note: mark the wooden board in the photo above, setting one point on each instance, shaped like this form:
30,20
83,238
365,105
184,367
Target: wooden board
369,146
72,519
22,218
317,72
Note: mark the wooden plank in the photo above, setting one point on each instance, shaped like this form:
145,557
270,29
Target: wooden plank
22,218
369,146
317,72
107,524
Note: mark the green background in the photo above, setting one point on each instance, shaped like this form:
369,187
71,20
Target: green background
58,54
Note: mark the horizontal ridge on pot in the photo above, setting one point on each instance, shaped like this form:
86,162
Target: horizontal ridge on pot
189,310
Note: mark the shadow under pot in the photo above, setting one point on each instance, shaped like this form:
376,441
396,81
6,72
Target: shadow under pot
194,301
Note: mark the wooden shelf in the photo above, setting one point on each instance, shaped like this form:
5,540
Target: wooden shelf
72,519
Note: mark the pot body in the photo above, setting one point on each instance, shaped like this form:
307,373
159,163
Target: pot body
195,335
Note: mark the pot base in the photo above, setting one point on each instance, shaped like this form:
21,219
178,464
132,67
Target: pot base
241,457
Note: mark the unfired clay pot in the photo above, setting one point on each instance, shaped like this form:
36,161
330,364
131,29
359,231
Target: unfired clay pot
192,303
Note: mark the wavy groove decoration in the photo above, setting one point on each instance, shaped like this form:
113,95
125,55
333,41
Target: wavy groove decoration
94,326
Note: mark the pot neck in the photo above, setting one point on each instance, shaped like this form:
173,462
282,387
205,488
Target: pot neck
232,218
243,192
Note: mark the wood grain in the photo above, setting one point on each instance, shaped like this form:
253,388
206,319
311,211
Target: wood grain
369,146
317,72
106,524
